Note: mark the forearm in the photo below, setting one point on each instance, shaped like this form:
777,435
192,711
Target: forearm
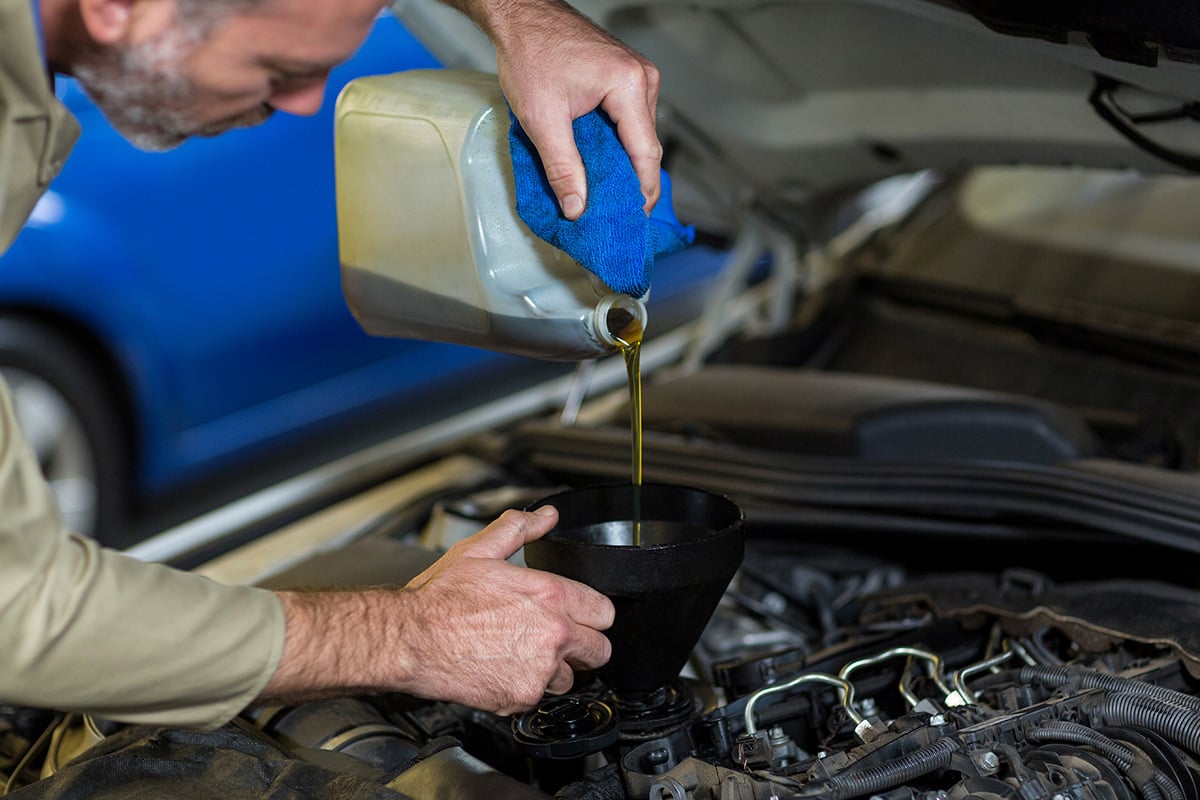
510,22
334,645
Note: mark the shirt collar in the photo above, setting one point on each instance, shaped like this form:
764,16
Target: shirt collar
37,26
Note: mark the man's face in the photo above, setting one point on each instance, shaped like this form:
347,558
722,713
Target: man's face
173,79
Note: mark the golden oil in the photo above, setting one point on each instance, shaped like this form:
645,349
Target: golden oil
630,339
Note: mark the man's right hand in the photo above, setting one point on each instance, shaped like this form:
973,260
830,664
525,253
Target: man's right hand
472,629
556,65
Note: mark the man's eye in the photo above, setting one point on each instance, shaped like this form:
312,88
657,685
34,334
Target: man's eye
298,78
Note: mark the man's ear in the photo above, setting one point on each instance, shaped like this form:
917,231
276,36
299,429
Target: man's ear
107,21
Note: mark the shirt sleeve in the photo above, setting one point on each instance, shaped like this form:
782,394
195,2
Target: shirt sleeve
87,629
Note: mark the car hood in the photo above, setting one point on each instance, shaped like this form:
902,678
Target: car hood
782,102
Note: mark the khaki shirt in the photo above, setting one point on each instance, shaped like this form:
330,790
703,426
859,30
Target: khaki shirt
83,628
36,131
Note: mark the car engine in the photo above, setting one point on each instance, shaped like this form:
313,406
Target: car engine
906,623
922,629
826,674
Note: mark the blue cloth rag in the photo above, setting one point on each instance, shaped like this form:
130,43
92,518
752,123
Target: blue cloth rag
613,238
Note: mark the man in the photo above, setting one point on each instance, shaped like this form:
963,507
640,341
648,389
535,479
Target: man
87,629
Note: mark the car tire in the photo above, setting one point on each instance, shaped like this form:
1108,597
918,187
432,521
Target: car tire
70,417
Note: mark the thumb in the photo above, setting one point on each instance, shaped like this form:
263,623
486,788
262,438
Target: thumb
510,532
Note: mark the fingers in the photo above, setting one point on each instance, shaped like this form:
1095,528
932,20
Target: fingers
548,91
635,120
562,681
509,533
555,143
633,109
587,649
586,606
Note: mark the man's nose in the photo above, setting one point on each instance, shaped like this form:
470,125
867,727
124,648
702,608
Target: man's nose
302,101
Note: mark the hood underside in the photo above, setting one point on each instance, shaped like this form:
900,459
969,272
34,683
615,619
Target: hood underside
783,102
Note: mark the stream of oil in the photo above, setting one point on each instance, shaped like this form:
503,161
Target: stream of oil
631,349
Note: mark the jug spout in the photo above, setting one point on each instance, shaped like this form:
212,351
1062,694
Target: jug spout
619,319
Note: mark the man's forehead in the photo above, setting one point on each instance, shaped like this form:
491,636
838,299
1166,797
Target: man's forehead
321,15
304,32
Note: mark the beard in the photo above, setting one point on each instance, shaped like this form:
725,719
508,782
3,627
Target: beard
144,95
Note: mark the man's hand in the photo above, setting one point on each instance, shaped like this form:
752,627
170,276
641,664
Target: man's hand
471,629
555,66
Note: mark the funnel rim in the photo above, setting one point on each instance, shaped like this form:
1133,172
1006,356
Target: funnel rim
734,527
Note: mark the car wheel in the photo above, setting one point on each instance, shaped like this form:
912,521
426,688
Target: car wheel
66,411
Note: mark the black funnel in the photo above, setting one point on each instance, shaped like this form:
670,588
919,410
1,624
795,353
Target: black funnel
665,590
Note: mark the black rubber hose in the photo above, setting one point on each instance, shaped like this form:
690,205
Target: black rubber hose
1091,679
874,779
1178,725
1159,785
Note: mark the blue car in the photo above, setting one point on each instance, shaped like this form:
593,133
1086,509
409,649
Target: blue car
165,317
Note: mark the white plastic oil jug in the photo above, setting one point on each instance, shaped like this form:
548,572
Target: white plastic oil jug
431,243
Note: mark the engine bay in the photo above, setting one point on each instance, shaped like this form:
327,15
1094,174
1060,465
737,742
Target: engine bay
906,623
825,673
